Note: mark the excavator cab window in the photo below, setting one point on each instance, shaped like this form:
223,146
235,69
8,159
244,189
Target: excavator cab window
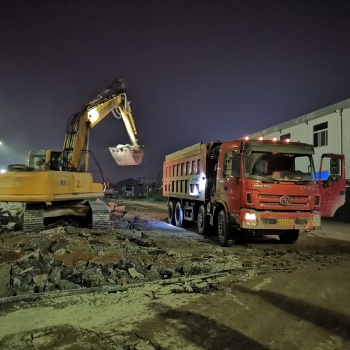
55,161
37,160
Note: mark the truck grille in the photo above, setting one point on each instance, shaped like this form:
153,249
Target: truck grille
268,201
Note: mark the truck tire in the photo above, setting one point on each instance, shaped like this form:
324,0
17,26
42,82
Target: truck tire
224,230
179,215
203,221
289,236
171,213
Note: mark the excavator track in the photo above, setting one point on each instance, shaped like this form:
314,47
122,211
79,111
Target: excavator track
101,217
33,218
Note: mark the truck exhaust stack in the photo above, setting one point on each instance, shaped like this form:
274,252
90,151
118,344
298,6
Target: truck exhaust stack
126,155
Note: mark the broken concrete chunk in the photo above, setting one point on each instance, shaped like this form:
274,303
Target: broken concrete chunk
5,278
130,233
55,276
38,279
134,273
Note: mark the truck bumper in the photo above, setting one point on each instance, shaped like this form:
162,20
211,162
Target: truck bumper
255,220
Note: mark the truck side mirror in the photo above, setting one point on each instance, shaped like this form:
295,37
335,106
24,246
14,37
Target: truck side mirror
228,164
335,166
232,164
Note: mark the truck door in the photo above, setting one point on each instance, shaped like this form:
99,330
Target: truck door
331,182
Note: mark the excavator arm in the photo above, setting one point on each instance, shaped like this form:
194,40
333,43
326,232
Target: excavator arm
75,149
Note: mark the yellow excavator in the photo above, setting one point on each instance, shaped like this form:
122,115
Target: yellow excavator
56,185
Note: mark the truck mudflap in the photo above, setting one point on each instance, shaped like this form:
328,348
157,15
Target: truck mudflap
254,220
125,155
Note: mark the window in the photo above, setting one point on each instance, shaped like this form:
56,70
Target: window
321,134
279,166
232,164
236,164
285,137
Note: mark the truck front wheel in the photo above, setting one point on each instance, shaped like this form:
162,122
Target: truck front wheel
224,230
203,221
171,213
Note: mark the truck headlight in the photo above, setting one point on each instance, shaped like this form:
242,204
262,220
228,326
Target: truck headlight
316,220
250,219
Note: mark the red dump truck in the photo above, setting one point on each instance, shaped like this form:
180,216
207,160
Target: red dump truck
259,187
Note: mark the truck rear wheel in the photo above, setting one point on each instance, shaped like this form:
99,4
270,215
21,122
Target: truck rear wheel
289,236
179,215
224,230
171,213
203,221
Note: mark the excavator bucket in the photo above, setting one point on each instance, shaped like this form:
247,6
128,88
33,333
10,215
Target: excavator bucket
125,155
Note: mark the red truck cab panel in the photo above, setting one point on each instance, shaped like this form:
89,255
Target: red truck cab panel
331,182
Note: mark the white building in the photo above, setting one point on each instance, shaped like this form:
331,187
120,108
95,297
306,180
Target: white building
328,129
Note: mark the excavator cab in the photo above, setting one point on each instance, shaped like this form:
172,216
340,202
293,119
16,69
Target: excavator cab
44,160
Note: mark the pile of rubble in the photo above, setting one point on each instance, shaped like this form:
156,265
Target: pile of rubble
134,250
10,216
69,258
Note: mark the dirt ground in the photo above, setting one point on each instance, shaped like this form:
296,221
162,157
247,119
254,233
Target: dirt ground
143,284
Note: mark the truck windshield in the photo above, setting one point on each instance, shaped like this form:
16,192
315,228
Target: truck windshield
279,167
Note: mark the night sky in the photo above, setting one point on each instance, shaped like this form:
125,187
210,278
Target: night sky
196,71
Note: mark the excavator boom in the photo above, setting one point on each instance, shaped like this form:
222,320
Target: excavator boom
112,99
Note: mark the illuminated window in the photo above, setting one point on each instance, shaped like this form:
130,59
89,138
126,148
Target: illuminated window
321,134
